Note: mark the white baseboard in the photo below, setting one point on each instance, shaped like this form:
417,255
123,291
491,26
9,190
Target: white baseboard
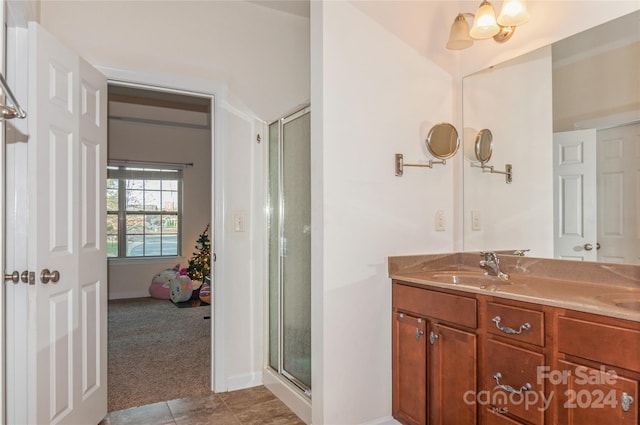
247,380
383,421
125,295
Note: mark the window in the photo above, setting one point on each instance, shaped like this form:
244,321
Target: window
143,211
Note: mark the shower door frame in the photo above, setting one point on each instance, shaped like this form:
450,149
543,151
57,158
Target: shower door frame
280,220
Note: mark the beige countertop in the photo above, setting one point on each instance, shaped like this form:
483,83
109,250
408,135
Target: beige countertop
600,288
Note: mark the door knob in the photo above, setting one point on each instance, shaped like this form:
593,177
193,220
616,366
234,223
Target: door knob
46,276
588,247
24,277
13,277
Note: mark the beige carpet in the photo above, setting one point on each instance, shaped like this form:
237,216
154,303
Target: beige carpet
157,352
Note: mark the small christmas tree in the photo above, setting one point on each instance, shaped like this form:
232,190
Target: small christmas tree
199,264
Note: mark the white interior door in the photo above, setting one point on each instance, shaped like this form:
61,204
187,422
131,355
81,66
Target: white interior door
574,193
619,199
67,177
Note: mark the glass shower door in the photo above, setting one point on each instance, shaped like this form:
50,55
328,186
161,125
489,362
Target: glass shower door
290,249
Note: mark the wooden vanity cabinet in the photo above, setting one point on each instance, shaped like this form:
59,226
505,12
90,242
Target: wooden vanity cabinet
598,370
573,368
434,356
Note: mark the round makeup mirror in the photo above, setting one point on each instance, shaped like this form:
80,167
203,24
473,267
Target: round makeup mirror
484,145
442,141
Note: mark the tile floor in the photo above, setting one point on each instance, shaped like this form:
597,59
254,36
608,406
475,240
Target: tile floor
244,407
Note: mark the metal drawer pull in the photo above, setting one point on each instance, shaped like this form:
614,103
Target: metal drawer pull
509,388
626,401
419,333
433,337
524,327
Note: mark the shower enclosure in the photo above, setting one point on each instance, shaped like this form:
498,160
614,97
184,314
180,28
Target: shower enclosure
289,226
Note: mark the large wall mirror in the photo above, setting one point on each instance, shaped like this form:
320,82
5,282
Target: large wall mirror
567,116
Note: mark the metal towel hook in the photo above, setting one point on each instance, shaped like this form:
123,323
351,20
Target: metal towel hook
7,112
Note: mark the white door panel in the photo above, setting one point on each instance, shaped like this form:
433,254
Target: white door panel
574,175
619,203
67,160
93,256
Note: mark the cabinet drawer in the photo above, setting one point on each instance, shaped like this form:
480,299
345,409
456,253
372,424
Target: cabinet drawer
438,305
612,345
516,323
514,369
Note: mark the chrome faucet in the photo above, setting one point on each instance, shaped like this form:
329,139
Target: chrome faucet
491,264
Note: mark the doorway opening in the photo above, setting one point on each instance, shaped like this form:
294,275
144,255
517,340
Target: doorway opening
159,198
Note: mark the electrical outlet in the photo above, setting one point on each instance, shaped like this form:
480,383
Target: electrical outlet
441,222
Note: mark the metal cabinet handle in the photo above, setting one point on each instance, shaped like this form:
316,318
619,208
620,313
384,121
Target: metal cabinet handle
626,400
46,276
588,247
523,327
419,333
433,337
509,388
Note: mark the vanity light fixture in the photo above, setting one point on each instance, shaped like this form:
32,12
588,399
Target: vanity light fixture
486,25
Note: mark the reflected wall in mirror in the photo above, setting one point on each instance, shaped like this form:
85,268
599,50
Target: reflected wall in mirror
534,106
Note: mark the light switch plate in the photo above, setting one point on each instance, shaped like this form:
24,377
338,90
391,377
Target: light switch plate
238,222
476,223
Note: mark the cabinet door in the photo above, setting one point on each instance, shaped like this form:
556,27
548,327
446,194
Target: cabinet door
409,369
452,376
588,396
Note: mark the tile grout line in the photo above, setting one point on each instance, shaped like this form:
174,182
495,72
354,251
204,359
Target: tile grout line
233,412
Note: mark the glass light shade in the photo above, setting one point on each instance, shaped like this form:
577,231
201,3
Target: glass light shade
484,23
459,35
514,13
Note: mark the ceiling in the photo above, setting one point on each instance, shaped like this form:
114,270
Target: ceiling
421,24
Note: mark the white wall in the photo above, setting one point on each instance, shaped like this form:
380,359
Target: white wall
620,68
143,141
373,96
